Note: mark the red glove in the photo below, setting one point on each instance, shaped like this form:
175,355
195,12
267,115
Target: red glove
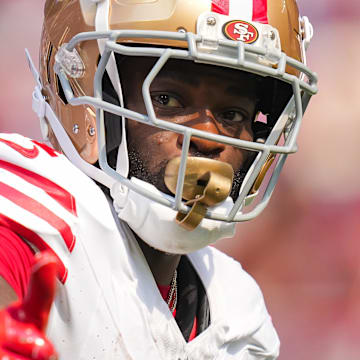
22,325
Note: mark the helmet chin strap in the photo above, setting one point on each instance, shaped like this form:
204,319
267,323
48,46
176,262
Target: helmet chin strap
155,223
102,24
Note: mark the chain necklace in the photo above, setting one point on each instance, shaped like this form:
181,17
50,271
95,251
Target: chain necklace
172,296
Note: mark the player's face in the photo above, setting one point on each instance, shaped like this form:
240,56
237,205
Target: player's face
219,101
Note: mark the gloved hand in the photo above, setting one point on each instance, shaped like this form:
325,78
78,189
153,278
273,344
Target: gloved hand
22,324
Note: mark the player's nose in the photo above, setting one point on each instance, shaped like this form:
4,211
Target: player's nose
206,122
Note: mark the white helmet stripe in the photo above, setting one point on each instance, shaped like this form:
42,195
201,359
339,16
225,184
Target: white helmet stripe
244,7
250,10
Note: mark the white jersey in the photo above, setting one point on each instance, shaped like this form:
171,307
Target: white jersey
108,306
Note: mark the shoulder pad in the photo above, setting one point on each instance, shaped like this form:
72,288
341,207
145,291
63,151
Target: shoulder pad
241,296
32,202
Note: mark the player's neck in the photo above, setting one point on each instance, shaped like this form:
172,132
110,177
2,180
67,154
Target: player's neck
162,265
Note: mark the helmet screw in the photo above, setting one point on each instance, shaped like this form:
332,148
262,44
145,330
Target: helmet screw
75,128
91,131
211,21
181,30
272,35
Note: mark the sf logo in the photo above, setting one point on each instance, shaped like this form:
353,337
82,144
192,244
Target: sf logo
241,31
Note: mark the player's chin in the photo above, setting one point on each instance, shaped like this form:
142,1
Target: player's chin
160,183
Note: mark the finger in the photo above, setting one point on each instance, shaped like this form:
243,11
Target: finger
33,354
26,342
22,340
41,291
4,355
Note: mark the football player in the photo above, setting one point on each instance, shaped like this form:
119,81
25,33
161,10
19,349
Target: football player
169,122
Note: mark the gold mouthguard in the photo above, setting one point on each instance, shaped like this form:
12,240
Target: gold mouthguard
207,183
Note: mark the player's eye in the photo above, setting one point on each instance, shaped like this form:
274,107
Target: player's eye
232,117
166,100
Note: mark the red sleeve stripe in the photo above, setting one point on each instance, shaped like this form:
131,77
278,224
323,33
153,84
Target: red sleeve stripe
29,153
36,240
260,11
39,210
60,195
220,6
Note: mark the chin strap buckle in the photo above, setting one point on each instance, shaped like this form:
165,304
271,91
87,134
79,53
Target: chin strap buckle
38,102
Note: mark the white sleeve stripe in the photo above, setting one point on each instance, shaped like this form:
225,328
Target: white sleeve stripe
37,194
30,221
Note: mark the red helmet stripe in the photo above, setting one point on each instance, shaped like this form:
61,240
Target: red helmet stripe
220,6
260,11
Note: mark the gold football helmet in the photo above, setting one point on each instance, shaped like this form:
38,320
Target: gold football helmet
82,39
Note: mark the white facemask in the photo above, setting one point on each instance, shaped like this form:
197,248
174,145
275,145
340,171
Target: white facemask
155,223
